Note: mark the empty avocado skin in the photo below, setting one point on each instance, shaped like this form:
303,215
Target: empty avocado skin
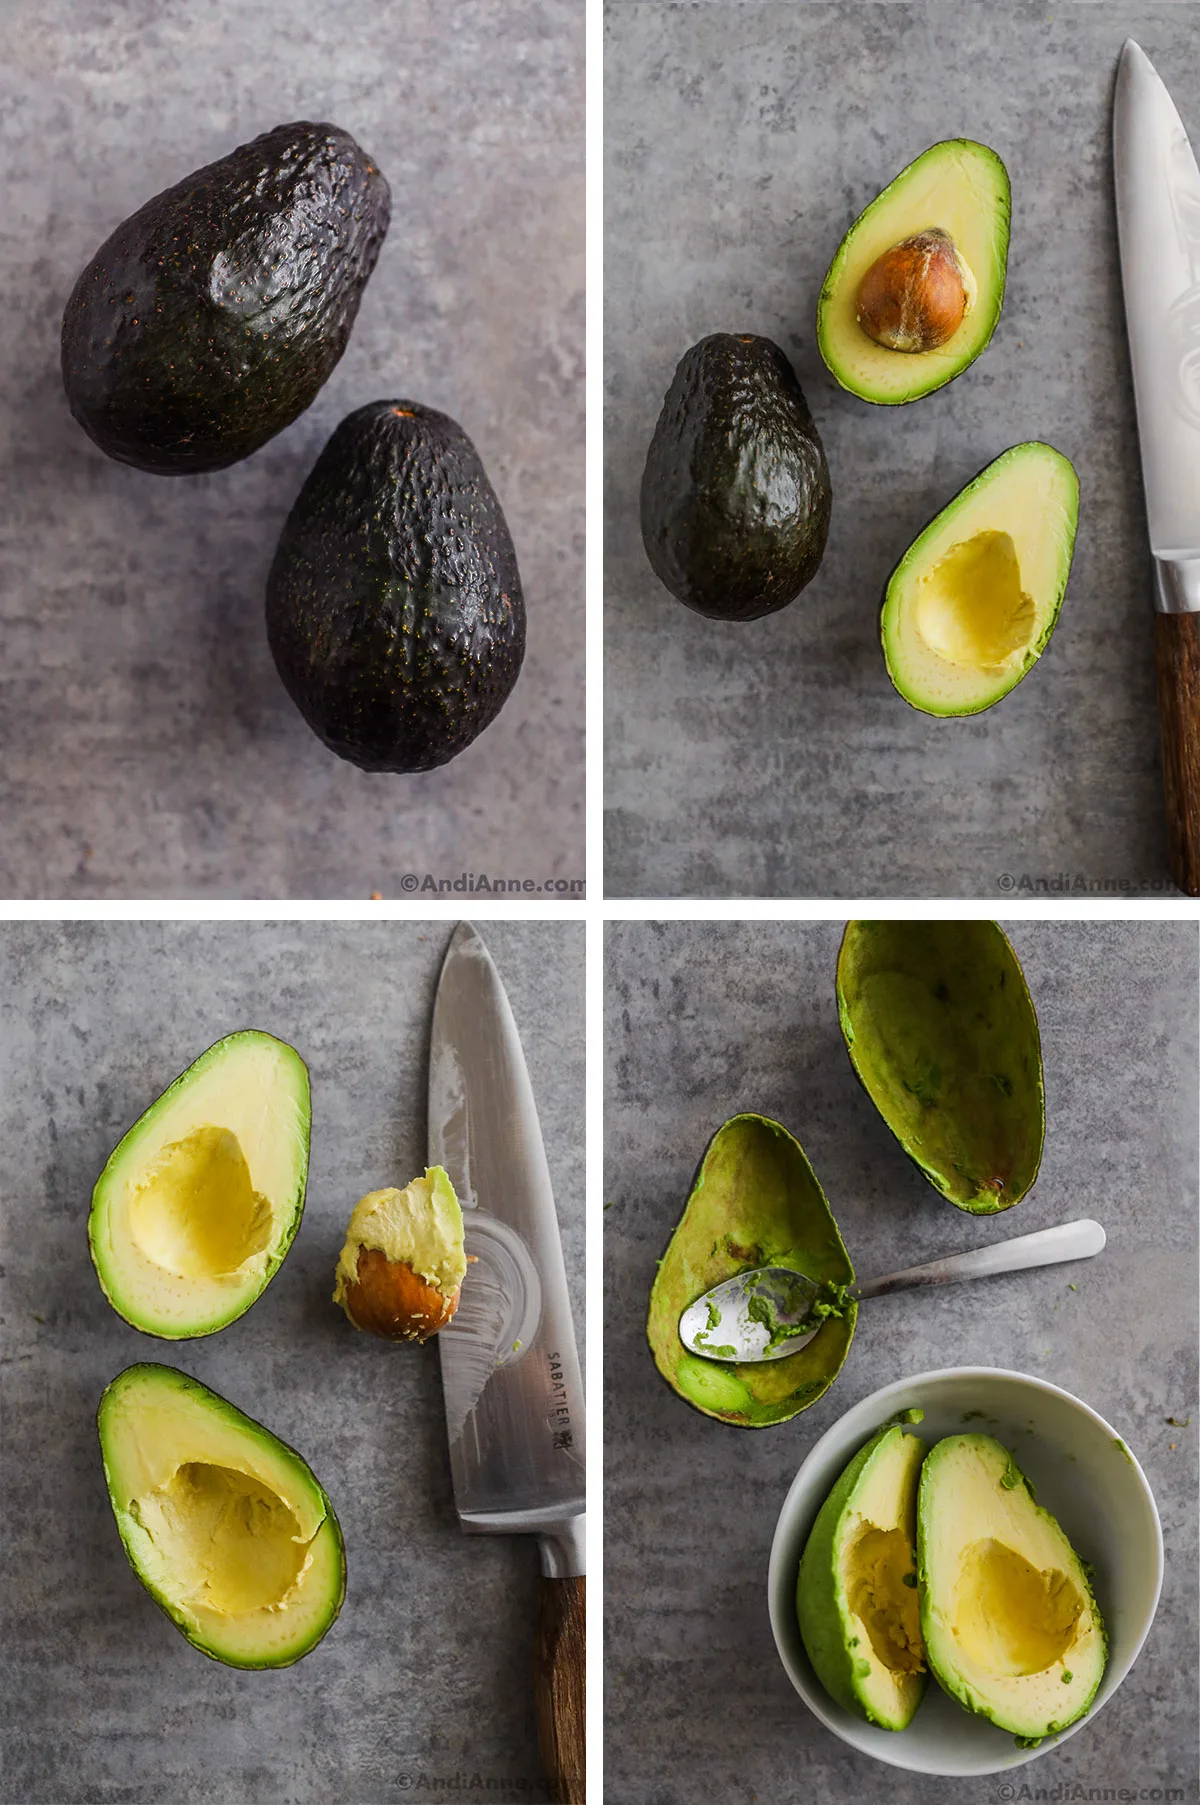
736,495
755,1201
394,606
943,1037
212,316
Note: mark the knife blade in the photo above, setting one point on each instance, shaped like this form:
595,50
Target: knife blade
1158,226
510,1370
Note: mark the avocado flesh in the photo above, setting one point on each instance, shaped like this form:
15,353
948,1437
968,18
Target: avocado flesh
735,498
209,320
198,1204
1011,1627
960,188
856,1597
971,606
755,1201
942,1034
223,1523
394,607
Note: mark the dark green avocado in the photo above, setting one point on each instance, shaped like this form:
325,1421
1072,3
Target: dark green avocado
211,318
394,607
735,494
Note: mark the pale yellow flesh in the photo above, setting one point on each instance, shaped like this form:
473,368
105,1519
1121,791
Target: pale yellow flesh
878,1541
968,611
963,194
223,1524
1008,1612
196,1200
421,1227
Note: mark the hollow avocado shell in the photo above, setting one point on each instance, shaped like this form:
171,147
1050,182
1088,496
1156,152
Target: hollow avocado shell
942,1034
754,1201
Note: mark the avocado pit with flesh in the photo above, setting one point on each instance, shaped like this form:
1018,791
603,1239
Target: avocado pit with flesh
914,297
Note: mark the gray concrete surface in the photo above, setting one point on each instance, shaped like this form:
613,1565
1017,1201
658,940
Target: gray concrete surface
423,1678
149,747
775,759
705,1019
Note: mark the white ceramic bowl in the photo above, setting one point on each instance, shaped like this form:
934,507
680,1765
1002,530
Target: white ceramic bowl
1081,1473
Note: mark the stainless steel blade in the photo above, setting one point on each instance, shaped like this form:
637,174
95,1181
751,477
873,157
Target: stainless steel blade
510,1371
1158,221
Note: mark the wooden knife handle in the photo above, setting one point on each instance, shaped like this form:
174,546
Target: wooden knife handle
558,1689
1177,665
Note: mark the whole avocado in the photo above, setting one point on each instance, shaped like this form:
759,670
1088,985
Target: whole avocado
212,316
394,607
735,495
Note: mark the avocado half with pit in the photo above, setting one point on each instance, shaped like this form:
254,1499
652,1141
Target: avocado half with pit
916,287
942,1033
755,1201
198,1204
971,605
856,1591
223,1523
1010,1623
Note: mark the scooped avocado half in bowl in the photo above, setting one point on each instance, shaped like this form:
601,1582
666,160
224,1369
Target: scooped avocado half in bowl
1029,1547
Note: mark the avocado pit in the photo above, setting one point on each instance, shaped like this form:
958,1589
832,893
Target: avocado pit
401,1269
914,297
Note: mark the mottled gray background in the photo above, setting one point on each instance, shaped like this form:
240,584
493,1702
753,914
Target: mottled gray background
149,748
775,759
705,1019
425,1673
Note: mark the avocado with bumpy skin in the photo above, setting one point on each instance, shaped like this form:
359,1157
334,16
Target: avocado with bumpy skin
755,1201
212,316
942,1034
224,1524
735,496
394,606
1010,1623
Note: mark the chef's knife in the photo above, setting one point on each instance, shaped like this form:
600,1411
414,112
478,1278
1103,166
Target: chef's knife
1158,223
510,1372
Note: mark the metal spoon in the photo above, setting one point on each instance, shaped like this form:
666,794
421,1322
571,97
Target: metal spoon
766,1313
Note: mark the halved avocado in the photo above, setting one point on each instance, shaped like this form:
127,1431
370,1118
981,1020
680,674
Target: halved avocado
223,1523
1011,1626
941,1030
198,1204
755,1201
971,605
959,190
856,1591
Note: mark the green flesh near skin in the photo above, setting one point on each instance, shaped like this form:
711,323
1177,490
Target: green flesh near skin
971,605
960,188
755,1202
223,1523
856,1599
1011,1626
198,1204
941,1031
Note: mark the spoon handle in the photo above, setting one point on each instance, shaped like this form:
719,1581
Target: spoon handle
1069,1241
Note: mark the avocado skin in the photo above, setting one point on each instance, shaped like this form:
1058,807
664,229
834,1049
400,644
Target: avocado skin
212,316
736,496
394,606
